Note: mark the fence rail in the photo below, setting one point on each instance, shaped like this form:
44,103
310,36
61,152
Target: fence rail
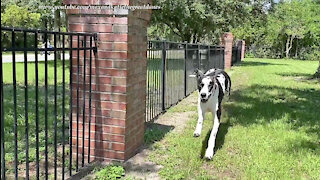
169,66
36,103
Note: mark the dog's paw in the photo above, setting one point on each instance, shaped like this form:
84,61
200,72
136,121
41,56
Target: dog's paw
209,154
196,134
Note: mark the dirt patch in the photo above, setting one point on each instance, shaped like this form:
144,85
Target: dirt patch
139,167
177,120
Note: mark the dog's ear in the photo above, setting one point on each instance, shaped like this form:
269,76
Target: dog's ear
199,74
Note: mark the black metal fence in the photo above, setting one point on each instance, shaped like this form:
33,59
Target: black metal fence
36,108
169,67
236,55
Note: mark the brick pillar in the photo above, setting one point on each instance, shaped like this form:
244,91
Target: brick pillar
119,78
227,41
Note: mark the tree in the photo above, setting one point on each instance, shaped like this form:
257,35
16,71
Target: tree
16,16
195,21
292,19
47,16
252,30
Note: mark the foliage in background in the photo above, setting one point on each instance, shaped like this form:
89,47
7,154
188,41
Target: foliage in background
275,29
289,29
47,16
195,21
28,14
16,16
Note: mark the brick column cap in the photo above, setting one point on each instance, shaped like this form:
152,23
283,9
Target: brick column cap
227,36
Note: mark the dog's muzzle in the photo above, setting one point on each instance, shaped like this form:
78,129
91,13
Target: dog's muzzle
204,97
204,100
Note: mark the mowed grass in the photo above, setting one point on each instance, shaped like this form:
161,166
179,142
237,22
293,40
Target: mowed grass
9,113
270,128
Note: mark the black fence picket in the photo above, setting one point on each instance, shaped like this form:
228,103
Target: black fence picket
35,91
236,55
169,67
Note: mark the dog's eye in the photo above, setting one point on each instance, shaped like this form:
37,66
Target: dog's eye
211,83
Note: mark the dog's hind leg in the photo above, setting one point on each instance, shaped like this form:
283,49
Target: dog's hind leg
212,139
201,114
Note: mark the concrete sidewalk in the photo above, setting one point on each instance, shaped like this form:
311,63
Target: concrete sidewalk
31,57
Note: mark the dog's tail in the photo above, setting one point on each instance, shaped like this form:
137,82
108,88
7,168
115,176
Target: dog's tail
229,89
228,82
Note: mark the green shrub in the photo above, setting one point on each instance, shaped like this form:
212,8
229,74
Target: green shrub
111,172
314,55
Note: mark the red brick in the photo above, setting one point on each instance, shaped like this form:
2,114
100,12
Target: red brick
112,72
101,153
73,11
119,81
118,114
105,80
115,2
105,46
118,97
99,20
116,122
118,130
118,146
97,28
120,28
112,55
119,64
120,46
113,37
119,89
104,63
75,28
96,11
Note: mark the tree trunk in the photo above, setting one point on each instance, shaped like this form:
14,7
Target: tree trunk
296,55
289,45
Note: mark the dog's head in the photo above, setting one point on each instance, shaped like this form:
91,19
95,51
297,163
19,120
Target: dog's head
206,85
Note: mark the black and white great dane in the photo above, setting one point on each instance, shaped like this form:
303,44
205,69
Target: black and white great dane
212,86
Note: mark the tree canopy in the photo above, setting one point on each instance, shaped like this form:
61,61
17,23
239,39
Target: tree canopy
31,7
286,28
16,16
195,21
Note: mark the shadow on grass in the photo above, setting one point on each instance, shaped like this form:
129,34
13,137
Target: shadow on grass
260,104
62,128
302,77
155,132
222,132
290,74
251,63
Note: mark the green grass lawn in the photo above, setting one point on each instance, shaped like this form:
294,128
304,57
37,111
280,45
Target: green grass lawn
270,128
9,112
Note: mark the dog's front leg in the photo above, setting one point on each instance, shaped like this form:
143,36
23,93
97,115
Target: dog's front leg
212,139
201,114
